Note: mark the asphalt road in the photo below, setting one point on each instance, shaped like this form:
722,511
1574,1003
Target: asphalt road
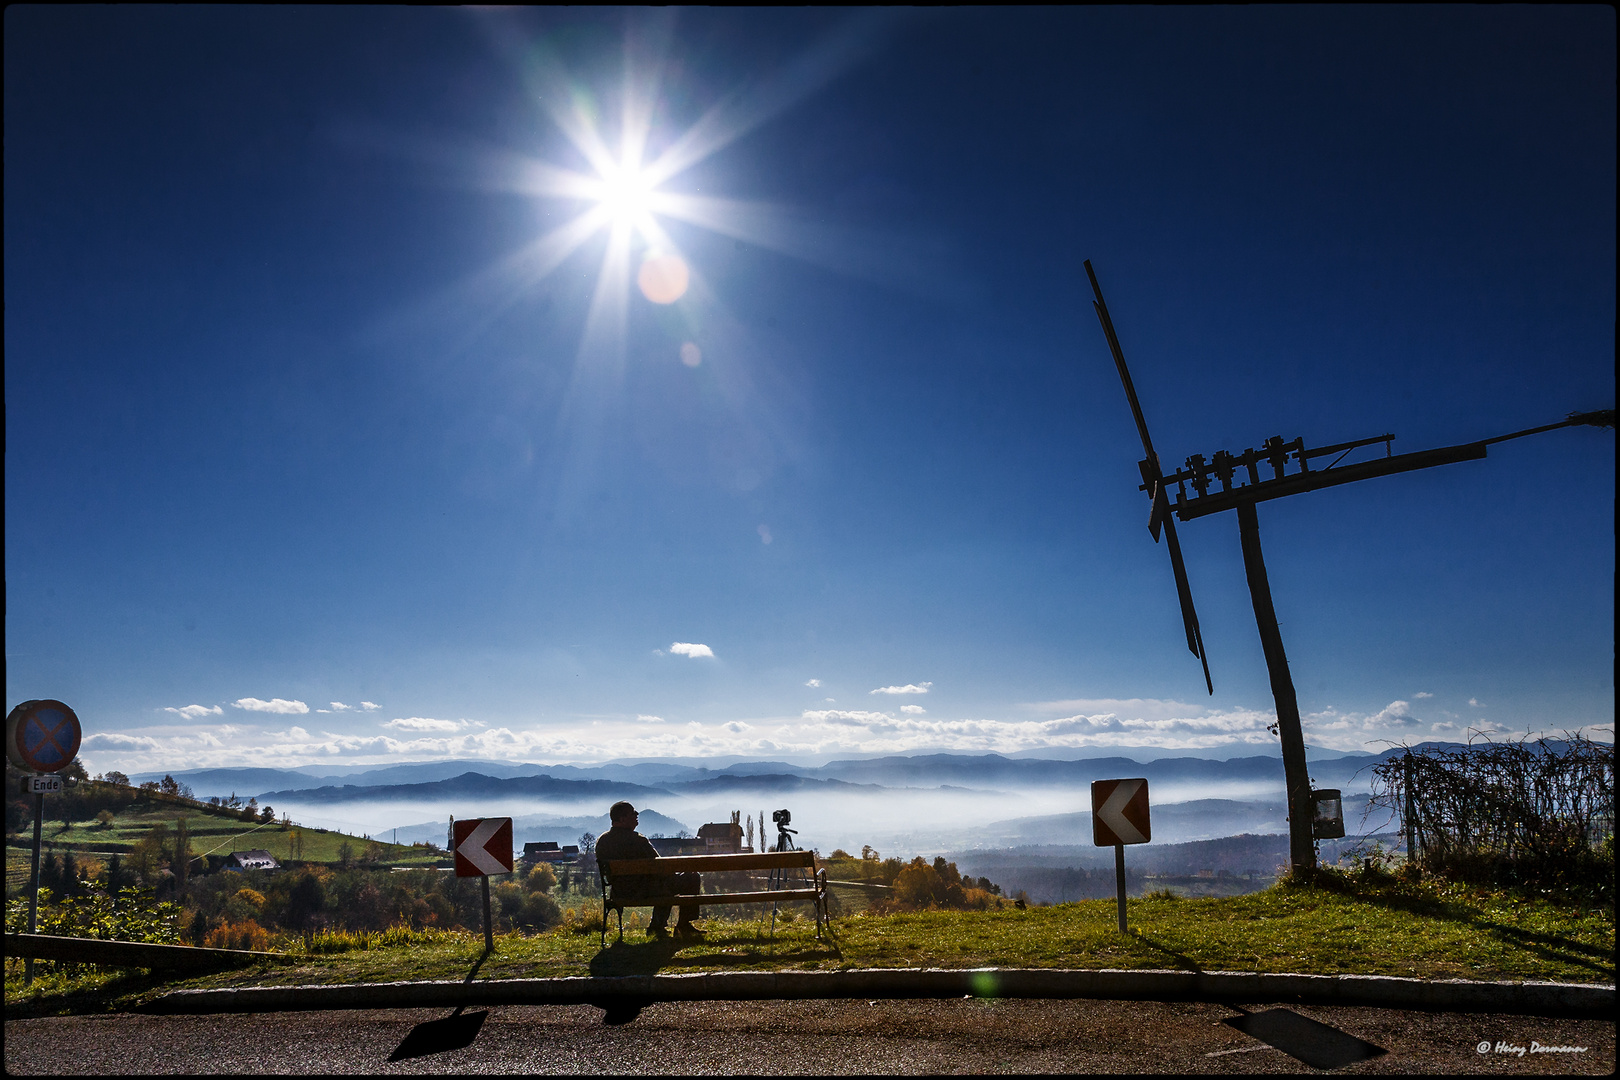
812,1037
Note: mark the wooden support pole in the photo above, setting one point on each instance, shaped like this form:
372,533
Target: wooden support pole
1301,845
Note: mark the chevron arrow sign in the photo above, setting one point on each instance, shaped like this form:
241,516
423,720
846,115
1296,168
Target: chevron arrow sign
483,846
1119,812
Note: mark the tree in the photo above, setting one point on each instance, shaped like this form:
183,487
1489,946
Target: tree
50,874
105,819
181,863
268,814
345,855
305,900
74,771
113,776
169,785
540,879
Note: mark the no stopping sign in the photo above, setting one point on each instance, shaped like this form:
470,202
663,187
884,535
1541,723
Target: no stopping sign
42,736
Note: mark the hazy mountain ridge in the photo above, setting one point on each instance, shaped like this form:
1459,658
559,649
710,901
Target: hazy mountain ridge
473,784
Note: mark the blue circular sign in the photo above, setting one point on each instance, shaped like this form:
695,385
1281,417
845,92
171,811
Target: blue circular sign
42,736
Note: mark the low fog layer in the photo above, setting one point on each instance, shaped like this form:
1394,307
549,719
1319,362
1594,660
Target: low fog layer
900,822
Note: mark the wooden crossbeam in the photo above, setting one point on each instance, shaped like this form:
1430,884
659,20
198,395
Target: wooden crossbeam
679,864
762,897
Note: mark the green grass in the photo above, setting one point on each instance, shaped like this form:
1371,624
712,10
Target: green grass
1426,931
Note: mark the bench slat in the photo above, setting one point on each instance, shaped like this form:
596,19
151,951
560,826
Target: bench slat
677,864
720,898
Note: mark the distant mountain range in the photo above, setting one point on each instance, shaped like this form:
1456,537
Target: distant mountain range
977,772
471,784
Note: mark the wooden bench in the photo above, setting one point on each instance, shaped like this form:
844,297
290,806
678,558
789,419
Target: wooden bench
813,890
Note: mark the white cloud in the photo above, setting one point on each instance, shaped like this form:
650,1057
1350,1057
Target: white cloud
274,705
813,682
737,727
913,709
845,716
682,648
1422,694
192,712
424,723
909,688
112,740
370,706
337,706
1475,704
647,718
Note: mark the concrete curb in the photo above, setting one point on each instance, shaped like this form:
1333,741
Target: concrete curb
1379,991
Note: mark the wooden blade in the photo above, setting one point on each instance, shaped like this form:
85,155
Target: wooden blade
1189,614
1119,362
1153,475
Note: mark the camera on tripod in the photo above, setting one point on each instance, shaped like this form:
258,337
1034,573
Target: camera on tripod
783,833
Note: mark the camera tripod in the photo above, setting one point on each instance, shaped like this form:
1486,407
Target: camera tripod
778,879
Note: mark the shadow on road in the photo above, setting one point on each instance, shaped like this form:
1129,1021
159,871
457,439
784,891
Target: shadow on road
451,1032
1319,1045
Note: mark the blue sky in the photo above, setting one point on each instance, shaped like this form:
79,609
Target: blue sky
321,446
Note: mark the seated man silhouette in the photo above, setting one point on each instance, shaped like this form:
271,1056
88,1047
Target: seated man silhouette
623,842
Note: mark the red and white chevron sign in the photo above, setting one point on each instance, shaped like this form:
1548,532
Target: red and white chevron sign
1119,812
483,846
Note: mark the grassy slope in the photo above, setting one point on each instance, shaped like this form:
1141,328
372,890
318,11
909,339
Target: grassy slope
210,830
1428,933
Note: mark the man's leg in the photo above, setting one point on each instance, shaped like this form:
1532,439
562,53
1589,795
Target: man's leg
688,884
660,918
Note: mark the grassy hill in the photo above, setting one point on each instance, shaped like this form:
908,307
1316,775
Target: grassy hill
213,831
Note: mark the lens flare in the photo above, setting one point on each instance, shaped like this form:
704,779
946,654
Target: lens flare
663,279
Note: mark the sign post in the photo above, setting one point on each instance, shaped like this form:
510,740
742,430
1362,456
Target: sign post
1119,816
483,846
41,737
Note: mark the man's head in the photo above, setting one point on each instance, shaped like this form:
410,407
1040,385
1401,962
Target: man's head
623,815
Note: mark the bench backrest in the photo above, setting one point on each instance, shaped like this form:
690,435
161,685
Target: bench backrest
677,864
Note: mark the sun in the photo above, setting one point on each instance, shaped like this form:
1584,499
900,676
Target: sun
626,194
623,188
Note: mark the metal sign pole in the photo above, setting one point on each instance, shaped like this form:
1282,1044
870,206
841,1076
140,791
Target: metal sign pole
1119,882
33,884
489,929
